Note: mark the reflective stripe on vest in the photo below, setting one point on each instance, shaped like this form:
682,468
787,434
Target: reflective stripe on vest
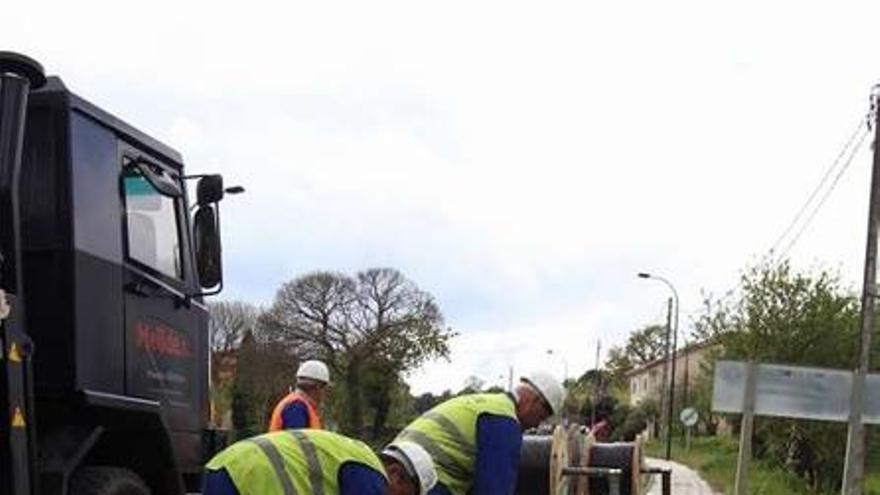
440,457
292,462
277,464
449,433
316,474
276,423
450,428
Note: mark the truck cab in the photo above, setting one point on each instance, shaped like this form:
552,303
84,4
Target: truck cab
114,267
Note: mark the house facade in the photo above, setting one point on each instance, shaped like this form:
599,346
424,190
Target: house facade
647,381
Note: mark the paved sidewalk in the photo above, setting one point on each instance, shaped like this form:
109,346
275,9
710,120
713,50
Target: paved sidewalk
685,481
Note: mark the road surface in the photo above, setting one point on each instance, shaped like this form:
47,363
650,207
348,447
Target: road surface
685,481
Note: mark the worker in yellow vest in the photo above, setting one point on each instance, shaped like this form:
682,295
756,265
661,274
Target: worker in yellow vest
299,408
316,462
475,439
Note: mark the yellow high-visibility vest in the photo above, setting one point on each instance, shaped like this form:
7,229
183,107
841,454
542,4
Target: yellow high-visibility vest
292,462
449,433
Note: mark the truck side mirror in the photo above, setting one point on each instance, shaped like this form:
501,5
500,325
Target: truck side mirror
206,237
209,189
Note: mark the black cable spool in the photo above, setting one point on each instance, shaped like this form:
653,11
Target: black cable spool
613,455
540,458
534,465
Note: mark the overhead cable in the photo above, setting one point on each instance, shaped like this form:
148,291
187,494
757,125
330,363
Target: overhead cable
828,173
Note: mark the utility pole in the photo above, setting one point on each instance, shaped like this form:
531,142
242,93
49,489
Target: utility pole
746,431
596,386
687,363
671,404
854,468
665,393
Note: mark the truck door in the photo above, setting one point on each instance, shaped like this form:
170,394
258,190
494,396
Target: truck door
165,330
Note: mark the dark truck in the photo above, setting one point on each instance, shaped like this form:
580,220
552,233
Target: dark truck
105,359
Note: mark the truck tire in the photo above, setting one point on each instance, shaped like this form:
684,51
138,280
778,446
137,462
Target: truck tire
107,480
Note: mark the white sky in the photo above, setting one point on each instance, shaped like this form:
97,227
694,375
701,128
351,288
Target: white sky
521,161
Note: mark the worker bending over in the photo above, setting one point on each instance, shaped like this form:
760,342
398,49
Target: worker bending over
316,462
299,408
475,439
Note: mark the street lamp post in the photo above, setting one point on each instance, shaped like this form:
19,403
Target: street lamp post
671,398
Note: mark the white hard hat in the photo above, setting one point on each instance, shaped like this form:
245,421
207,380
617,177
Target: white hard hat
416,461
549,388
313,370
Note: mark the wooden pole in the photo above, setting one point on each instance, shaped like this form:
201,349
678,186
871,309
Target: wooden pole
741,485
854,466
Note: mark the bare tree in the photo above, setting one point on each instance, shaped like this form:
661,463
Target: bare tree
229,321
397,320
377,319
311,314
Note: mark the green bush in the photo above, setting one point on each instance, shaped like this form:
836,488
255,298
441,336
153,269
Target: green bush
628,422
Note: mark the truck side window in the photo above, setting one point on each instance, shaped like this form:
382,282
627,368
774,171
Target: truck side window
151,218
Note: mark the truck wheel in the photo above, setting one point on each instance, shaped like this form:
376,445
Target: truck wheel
107,480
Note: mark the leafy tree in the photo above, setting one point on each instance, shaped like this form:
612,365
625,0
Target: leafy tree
387,398
627,422
588,395
793,318
245,415
228,324
577,397
618,362
783,316
643,346
715,318
428,400
261,379
646,345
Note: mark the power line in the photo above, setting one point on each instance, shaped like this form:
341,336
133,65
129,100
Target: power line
827,194
853,150
818,187
860,132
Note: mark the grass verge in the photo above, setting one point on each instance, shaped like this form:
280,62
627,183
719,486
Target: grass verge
715,459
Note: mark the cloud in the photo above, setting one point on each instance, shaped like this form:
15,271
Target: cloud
561,342
519,162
